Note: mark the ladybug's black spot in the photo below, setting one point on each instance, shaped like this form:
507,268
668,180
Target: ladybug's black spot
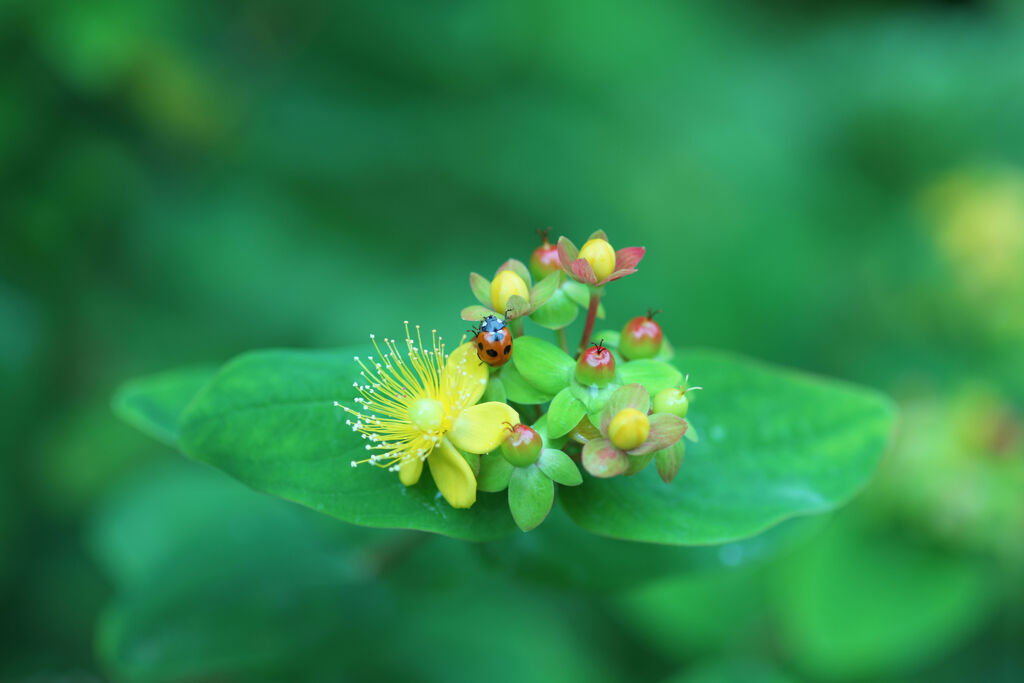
480,345
492,353
508,349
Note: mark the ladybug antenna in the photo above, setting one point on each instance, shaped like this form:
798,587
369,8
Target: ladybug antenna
544,234
507,311
651,313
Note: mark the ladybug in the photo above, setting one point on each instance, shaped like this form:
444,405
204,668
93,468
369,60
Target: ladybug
493,341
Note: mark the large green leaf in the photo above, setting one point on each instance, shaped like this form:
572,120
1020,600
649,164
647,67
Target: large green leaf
866,603
213,581
776,444
154,404
268,418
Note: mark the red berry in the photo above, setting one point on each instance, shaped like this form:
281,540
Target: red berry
595,366
522,446
641,337
544,259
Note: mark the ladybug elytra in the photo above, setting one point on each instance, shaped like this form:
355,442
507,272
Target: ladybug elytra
493,341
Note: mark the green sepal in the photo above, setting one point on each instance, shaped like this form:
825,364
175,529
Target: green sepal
475,313
654,375
669,459
543,290
543,365
637,463
495,390
474,462
517,389
517,267
495,473
691,433
531,493
557,312
564,413
541,427
516,307
559,467
481,287
580,294
591,396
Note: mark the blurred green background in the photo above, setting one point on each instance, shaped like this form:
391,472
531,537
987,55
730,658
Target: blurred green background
837,187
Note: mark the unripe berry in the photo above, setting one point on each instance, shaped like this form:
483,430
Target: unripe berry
671,400
641,337
544,259
522,446
629,429
601,257
505,284
595,366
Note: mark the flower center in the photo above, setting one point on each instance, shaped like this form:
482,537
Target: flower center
426,414
629,429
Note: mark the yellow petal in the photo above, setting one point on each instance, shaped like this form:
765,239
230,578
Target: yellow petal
481,428
453,475
463,379
409,471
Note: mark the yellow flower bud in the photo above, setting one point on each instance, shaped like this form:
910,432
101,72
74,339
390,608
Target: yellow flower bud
629,429
505,284
601,257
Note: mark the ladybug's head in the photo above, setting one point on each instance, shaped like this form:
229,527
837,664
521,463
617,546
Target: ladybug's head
492,323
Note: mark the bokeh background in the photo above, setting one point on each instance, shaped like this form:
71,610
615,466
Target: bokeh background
837,187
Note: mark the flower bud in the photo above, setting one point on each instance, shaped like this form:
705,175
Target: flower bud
641,338
505,284
544,259
595,366
522,446
628,429
671,400
601,257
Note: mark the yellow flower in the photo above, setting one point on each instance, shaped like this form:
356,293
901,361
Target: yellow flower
423,407
506,284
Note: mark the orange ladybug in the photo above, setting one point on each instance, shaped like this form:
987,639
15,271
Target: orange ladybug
493,341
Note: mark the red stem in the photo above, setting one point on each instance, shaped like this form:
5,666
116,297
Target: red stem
588,329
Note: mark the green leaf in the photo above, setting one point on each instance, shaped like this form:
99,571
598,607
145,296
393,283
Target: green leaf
564,413
655,375
530,496
592,396
517,388
495,390
559,467
776,444
154,404
495,472
865,603
557,312
268,418
271,574
542,364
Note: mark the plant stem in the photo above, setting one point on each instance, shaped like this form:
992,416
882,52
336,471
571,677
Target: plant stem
588,328
562,341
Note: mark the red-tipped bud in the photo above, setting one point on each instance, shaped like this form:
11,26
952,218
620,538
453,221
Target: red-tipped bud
641,338
544,259
522,446
596,366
